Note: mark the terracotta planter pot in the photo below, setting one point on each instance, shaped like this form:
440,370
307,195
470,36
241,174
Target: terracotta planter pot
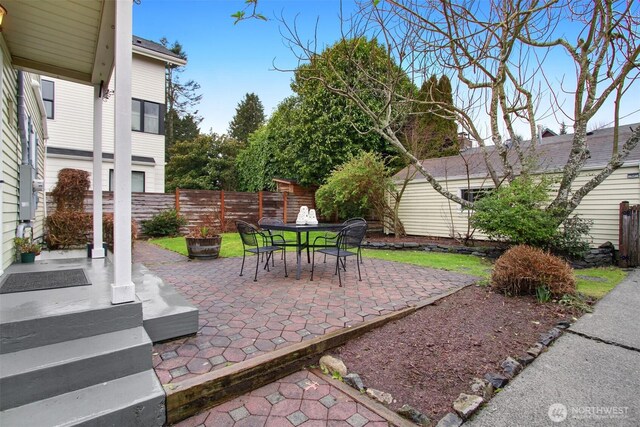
204,247
27,258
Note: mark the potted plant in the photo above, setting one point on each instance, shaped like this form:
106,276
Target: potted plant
27,249
204,241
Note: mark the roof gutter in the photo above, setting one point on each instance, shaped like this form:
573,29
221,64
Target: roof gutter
592,168
157,55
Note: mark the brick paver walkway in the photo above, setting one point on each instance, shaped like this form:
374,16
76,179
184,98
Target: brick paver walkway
301,399
240,319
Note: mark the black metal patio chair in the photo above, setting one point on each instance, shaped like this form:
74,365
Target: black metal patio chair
276,237
348,243
330,238
253,241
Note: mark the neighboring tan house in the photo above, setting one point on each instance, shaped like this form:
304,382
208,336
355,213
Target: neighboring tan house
424,212
69,108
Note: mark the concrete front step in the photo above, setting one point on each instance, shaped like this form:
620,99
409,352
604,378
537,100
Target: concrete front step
33,319
40,373
134,400
32,333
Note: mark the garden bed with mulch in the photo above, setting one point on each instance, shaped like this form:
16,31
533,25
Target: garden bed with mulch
428,358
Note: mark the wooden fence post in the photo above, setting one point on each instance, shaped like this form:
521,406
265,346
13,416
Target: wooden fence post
177,200
259,204
284,213
623,237
222,219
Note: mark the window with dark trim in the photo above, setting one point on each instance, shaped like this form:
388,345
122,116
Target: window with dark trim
137,181
147,116
48,95
474,194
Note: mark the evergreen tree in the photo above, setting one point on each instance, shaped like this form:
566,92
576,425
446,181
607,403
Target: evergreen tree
186,127
188,164
181,98
249,117
431,130
563,128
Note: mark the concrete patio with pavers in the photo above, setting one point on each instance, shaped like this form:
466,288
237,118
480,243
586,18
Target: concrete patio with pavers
240,319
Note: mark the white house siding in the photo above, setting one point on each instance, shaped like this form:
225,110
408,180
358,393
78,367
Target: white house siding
12,154
72,126
147,79
424,212
72,123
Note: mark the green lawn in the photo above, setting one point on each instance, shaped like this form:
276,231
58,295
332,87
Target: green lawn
604,279
593,282
231,243
442,261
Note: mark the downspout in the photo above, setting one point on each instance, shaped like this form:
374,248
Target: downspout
22,134
22,119
37,91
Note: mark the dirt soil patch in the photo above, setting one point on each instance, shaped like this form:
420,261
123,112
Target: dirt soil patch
428,358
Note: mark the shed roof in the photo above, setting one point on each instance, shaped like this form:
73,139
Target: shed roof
552,154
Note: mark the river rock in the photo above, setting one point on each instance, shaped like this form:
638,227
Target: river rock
482,388
511,367
466,404
536,349
563,324
333,364
548,337
496,380
380,396
354,381
525,359
450,420
412,414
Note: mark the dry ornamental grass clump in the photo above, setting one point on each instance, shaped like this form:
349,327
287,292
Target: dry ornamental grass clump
523,269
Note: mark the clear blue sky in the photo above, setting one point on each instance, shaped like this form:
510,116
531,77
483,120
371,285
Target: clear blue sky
231,60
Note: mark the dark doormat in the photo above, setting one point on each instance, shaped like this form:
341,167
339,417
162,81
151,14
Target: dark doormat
39,280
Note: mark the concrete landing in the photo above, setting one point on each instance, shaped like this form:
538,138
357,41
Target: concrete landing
43,317
49,316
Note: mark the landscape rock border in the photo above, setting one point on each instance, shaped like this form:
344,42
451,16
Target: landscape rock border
602,256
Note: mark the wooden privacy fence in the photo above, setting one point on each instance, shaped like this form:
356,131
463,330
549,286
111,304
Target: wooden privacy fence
629,239
194,205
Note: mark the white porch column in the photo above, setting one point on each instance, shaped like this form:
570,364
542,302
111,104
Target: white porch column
123,289
98,250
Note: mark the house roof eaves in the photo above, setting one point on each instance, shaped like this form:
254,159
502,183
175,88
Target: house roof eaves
155,50
88,155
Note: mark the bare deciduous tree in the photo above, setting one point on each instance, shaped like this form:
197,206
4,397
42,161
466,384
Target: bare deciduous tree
498,56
